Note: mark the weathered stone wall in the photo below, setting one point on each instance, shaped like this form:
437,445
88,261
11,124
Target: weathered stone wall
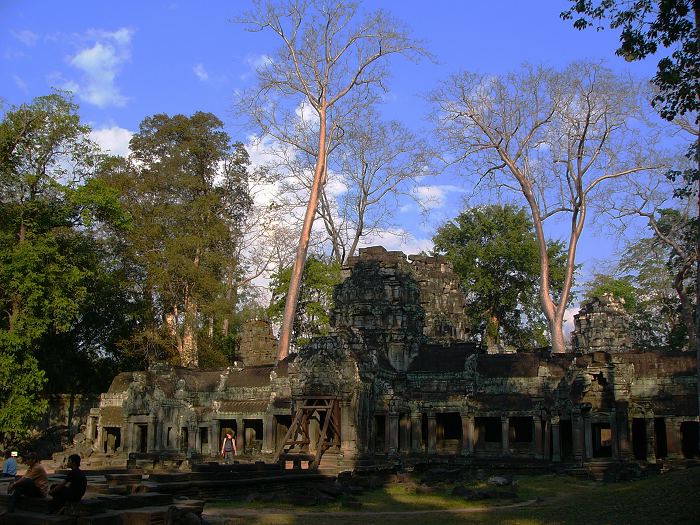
257,345
70,411
602,324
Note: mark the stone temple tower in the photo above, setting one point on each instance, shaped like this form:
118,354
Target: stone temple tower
602,324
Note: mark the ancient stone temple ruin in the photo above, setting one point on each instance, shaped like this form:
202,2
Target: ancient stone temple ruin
404,384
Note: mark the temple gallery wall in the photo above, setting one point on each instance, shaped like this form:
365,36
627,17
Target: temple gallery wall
404,383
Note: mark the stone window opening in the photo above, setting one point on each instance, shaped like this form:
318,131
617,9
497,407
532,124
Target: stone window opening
488,429
520,430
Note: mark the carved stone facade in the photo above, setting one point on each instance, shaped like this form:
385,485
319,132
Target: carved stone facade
409,385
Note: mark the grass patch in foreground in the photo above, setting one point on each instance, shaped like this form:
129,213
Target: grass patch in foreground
668,499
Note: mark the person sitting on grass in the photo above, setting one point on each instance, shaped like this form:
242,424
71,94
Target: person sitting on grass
34,483
70,489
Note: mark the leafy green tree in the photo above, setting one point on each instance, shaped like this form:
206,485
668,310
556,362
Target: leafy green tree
185,186
315,298
622,288
50,209
493,250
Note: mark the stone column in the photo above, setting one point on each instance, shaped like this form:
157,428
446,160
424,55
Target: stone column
127,435
348,430
404,433
268,443
467,434
151,433
651,440
505,435
577,434
416,433
393,419
314,433
213,440
192,437
432,449
537,438
216,428
240,435
556,440
674,442
547,455
587,435
621,432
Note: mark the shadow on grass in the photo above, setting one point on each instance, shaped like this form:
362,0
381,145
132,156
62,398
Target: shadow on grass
668,499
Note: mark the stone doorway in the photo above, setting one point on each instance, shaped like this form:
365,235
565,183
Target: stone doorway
141,438
639,438
567,440
602,440
282,424
113,439
448,430
380,441
252,435
689,436
204,445
661,446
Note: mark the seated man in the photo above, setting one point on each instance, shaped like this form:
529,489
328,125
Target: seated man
70,489
9,467
34,483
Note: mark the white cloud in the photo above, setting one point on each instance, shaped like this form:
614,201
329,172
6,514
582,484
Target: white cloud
200,72
398,239
569,320
20,83
28,38
100,65
433,197
259,61
114,140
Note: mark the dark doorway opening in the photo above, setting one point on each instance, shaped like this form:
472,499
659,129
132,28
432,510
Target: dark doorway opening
567,439
282,424
113,439
520,430
184,438
689,434
660,437
380,433
602,440
489,429
253,435
424,431
639,438
448,432
204,440
142,438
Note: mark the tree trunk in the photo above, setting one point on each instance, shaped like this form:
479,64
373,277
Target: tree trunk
303,246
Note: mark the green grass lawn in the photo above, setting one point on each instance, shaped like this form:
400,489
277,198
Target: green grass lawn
672,498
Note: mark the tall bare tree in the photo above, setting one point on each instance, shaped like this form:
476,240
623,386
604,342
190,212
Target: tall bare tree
332,61
551,136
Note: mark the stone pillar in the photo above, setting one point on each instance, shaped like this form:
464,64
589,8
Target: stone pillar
547,455
674,442
432,449
158,443
537,438
621,432
467,434
348,430
587,435
505,435
404,433
556,440
393,419
240,435
216,428
577,434
127,435
314,433
268,443
192,437
651,440
213,440
151,433
416,433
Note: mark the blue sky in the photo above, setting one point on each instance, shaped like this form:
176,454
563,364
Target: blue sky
130,59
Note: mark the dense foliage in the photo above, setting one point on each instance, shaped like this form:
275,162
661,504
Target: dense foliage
493,250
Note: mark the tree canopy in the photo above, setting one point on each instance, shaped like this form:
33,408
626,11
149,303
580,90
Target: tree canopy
494,251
